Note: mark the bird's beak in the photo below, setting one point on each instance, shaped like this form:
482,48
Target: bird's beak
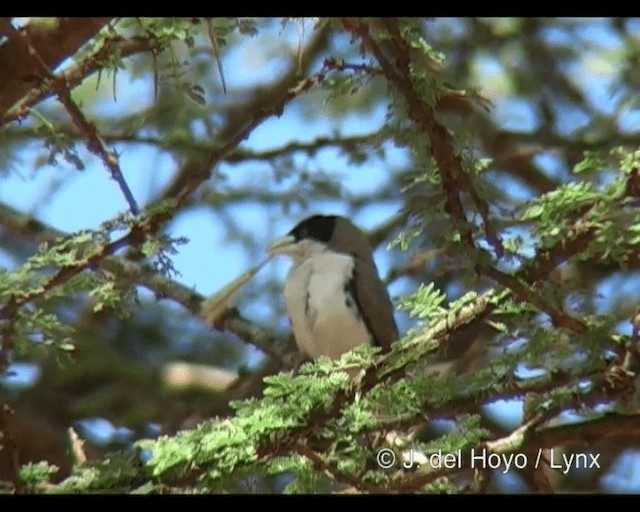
281,245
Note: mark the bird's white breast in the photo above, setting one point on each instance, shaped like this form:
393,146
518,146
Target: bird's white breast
322,321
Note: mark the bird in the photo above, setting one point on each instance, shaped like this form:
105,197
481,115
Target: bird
333,293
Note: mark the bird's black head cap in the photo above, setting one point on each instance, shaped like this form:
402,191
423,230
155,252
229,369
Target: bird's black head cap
317,227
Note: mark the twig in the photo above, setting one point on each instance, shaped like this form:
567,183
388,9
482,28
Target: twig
193,174
441,145
147,226
96,145
531,435
81,70
56,39
322,465
138,273
211,32
449,165
239,155
67,272
528,294
340,65
87,130
577,239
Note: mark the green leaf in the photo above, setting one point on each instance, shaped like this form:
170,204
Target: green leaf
35,473
591,161
424,303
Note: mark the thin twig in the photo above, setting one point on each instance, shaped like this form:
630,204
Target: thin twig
87,130
211,32
322,465
76,73
526,293
454,179
531,435
96,145
147,226
239,155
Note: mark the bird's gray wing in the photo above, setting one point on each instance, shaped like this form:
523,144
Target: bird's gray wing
374,304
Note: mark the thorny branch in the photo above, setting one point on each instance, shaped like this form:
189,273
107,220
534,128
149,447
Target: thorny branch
148,226
76,73
87,129
441,143
55,39
588,432
311,148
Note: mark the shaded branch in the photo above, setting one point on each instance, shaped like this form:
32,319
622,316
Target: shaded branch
270,100
143,275
87,130
240,155
75,74
532,436
54,39
527,293
323,466
441,146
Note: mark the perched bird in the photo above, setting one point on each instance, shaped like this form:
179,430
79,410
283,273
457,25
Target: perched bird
333,293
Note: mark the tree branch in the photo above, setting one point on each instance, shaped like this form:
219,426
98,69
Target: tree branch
54,39
87,130
442,147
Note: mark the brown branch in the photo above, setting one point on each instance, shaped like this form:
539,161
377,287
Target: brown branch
471,402
150,225
95,143
441,145
55,39
138,273
577,240
532,436
271,101
87,130
75,74
252,334
589,433
454,179
239,155
340,65
134,237
528,294
416,264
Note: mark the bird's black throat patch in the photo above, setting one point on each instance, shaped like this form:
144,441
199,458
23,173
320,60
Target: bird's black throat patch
318,227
